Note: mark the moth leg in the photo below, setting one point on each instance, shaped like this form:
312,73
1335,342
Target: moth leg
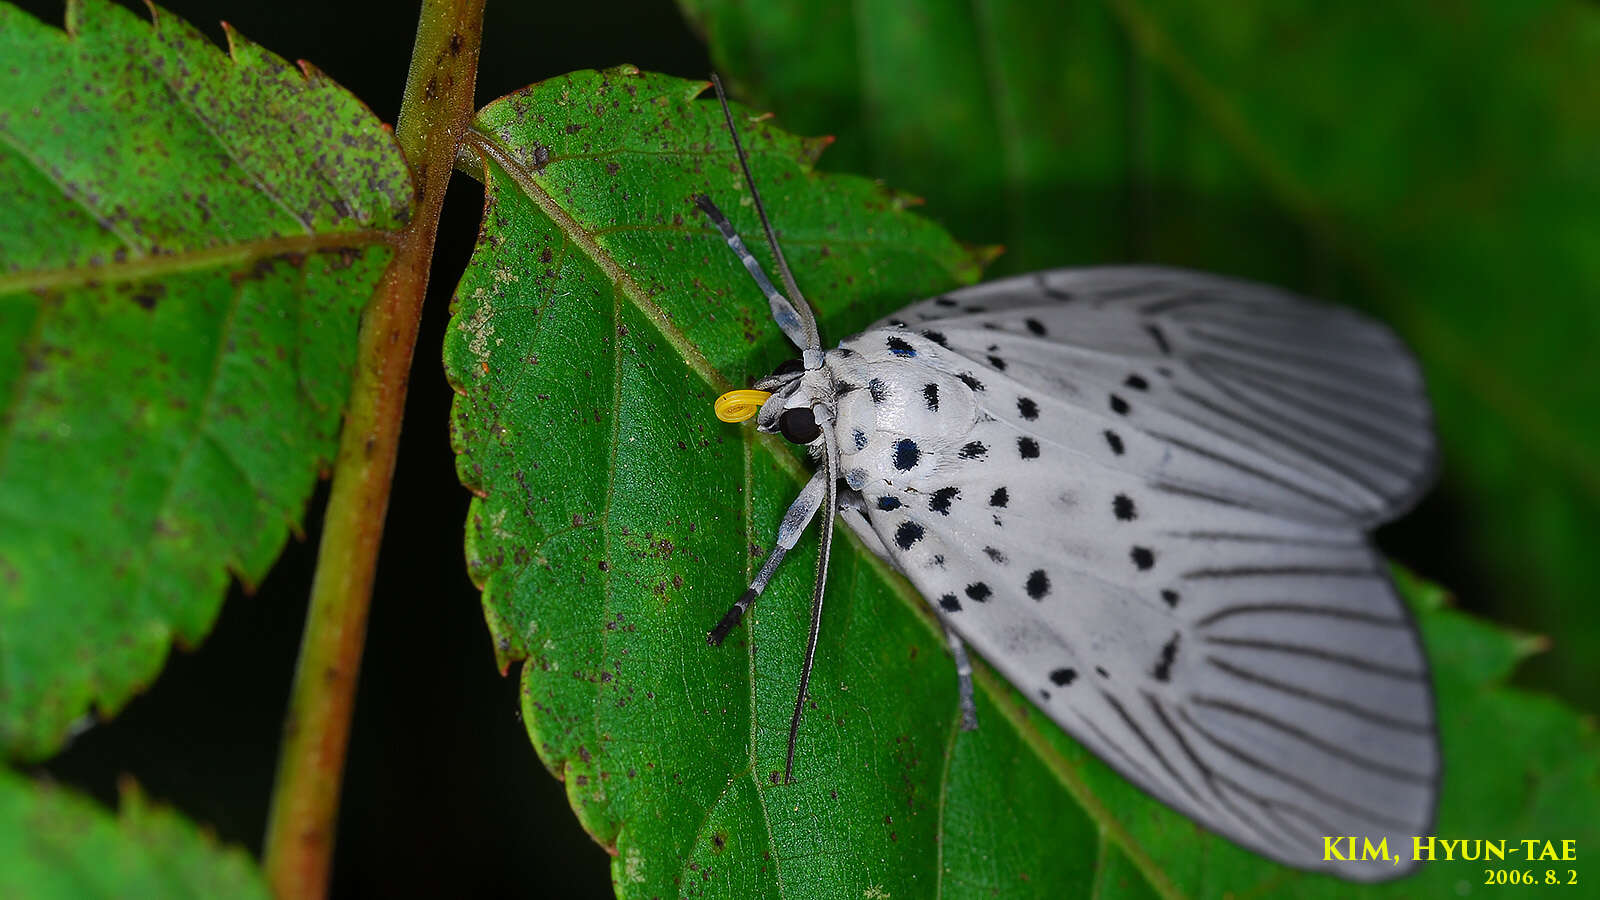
784,313
800,514
969,706
852,508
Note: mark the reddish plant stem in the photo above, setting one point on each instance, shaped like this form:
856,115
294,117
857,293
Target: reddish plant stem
436,111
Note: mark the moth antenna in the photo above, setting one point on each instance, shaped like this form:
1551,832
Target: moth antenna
808,319
829,465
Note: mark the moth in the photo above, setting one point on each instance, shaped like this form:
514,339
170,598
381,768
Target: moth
1142,494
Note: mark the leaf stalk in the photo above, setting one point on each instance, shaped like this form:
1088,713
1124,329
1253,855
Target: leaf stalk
436,111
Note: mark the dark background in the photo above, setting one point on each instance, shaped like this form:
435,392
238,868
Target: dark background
443,793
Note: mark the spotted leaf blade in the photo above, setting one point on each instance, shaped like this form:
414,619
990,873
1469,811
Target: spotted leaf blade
186,243
55,843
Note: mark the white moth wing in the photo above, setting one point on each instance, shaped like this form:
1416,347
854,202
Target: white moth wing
1237,652
1203,385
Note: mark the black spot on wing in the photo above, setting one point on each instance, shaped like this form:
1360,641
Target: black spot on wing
906,454
859,437
1137,382
995,556
907,534
888,503
1036,327
973,450
949,603
969,381
1169,653
940,501
1171,598
937,337
899,347
1000,497
1114,441
1038,584
1161,339
1027,408
930,396
1063,677
878,390
996,363
1119,405
1142,557
979,591
1028,448
1123,507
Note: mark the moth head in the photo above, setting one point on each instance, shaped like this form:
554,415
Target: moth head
781,403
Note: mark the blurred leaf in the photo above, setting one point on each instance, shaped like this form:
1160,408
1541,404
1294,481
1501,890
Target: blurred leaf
615,520
1434,164
186,244
57,843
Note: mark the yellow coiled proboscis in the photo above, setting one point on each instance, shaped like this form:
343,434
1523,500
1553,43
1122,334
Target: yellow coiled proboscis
737,406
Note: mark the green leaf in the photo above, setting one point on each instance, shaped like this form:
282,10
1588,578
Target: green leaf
1434,165
57,843
186,243
616,519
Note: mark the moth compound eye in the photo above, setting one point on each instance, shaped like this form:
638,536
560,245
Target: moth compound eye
789,367
799,425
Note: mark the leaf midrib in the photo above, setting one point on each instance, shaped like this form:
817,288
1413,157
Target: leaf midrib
489,149
190,260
